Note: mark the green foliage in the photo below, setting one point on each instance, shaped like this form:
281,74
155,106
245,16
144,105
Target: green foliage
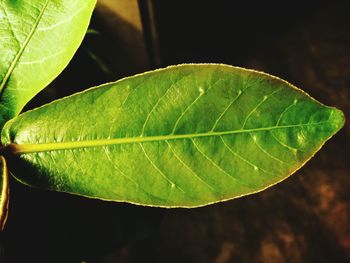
183,136
38,39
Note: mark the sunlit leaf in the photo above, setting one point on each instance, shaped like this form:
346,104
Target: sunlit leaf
37,40
183,136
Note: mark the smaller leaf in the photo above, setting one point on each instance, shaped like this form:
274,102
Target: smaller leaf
37,40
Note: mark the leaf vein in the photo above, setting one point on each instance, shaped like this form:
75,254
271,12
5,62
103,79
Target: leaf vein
258,105
187,167
255,167
226,109
157,103
158,170
106,151
10,25
192,104
283,112
21,50
62,22
266,152
42,60
293,149
41,147
215,164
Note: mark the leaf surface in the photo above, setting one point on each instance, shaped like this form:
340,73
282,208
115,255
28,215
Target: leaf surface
37,40
183,136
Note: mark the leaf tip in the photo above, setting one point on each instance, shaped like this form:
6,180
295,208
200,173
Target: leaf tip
338,118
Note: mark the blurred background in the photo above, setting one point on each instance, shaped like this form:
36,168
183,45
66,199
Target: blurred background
304,219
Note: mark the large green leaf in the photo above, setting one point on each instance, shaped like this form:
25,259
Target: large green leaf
183,136
37,40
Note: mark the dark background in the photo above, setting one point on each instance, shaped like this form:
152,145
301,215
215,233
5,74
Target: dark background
304,219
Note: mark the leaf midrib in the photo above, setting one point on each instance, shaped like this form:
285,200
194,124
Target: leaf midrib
45,147
21,50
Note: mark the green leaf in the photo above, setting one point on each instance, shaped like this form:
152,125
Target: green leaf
183,136
37,40
4,193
